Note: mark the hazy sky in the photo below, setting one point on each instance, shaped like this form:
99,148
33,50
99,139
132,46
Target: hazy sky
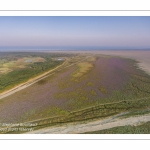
107,32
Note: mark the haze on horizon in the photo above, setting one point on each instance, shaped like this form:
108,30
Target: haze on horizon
95,32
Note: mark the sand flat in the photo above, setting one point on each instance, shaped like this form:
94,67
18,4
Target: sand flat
143,57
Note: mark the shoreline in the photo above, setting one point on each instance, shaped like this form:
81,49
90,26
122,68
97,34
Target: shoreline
142,58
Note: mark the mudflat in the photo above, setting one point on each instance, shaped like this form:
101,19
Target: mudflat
142,57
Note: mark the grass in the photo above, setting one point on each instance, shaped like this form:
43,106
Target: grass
137,112
121,99
8,66
93,93
95,112
14,70
82,102
103,90
140,129
83,68
90,83
4,70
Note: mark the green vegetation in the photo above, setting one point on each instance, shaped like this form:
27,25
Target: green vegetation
140,129
16,70
93,92
103,90
83,68
90,84
137,112
92,89
128,99
92,97
95,112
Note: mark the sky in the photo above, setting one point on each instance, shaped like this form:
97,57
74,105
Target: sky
89,32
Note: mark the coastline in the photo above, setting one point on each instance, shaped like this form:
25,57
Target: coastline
141,56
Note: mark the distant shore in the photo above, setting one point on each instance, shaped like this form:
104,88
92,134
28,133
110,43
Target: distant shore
141,56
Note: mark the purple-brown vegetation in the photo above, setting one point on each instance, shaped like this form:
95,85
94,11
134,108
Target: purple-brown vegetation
62,91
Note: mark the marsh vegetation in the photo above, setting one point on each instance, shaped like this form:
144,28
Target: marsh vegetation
88,87
16,68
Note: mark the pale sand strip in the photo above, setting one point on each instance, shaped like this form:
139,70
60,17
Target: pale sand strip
28,83
38,78
143,57
94,125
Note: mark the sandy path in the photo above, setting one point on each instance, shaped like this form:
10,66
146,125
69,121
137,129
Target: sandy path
143,57
28,83
36,79
94,125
